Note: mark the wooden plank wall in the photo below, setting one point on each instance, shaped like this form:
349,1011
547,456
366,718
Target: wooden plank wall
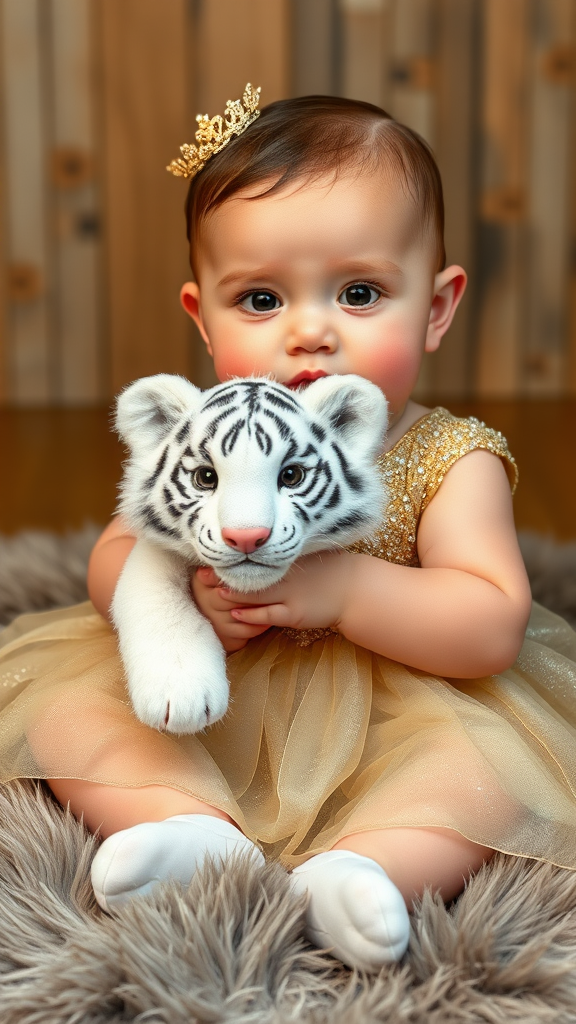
97,95
142,48
29,357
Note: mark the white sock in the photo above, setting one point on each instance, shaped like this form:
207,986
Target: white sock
354,909
131,862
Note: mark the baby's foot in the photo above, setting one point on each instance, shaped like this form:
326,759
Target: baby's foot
354,909
130,863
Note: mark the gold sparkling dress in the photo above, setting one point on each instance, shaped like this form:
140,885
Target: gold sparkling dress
323,738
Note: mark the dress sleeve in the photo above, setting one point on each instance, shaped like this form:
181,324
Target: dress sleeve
455,439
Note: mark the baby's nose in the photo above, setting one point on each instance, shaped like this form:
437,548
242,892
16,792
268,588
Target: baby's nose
246,540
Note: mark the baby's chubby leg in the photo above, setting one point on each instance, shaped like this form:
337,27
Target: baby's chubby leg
420,858
152,833
361,890
110,809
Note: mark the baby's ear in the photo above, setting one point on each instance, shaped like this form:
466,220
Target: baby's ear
148,409
352,408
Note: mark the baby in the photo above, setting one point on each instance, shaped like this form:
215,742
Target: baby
371,743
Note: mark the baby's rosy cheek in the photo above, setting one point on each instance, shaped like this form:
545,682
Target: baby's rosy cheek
232,363
392,368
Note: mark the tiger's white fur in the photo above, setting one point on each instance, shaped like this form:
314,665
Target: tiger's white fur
257,436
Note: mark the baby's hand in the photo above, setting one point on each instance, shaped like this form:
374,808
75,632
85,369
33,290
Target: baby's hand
312,595
233,635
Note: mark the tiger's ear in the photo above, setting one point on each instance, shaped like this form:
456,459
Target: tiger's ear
352,408
148,409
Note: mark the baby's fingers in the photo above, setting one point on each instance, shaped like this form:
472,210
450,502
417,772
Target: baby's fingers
263,615
207,576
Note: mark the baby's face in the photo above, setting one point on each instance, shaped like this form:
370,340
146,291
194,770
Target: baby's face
327,278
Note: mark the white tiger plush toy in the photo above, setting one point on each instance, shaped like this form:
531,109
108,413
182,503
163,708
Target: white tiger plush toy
245,477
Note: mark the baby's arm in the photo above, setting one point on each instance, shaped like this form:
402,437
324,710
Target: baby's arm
462,614
106,563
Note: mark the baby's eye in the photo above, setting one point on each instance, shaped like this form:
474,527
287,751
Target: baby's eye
204,478
260,302
359,295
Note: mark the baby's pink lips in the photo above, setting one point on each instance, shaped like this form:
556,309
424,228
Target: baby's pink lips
306,377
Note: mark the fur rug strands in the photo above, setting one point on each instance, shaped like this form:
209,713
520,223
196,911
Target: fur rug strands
230,948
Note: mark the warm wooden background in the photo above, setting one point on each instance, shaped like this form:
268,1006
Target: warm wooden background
97,95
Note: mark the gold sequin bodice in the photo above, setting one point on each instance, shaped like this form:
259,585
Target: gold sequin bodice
413,471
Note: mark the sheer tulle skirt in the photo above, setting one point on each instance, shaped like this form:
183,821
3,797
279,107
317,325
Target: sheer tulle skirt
319,741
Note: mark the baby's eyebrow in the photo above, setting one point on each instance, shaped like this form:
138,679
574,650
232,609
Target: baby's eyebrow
367,268
244,275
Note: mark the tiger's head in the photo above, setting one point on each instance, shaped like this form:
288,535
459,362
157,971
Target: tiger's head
249,475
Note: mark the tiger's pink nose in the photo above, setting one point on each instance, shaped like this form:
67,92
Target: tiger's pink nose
246,540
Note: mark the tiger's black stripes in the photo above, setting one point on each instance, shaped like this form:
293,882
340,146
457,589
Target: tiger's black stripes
182,432
314,480
222,398
352,479
173,511
283,428
229,440
151,518
354,519
308,452
275,398
149,484
318,497
215,423
301,512
263,439
175,478
193,515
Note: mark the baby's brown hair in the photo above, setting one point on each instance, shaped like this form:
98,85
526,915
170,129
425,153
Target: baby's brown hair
310,137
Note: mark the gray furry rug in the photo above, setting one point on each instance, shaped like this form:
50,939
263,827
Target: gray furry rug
230,948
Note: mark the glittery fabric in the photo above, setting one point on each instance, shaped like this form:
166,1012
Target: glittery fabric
327,739
413,471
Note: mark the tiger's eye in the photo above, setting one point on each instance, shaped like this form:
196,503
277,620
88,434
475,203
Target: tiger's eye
291,476
205,478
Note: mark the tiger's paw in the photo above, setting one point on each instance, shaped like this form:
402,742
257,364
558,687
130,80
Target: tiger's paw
178,701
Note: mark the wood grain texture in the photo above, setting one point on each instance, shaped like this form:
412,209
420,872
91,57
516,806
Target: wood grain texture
412,94
145,118
413,98
313,37
450,369
365,57
571,357
545,354
503,206
241,41
29,355
76,217
3,240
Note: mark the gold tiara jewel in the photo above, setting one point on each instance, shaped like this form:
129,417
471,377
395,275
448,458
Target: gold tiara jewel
215,133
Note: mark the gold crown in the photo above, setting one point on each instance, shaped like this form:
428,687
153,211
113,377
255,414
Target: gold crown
213,134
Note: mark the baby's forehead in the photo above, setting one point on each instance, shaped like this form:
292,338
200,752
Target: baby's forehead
355,203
